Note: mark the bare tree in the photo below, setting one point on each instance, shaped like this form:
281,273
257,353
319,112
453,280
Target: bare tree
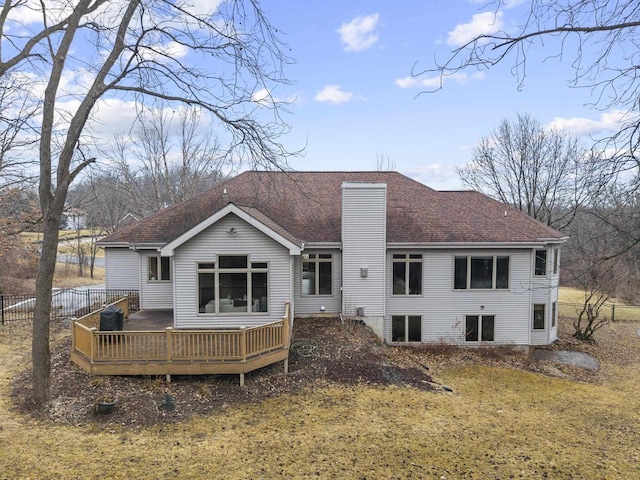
384,163
17,132
177,157
95,50
541,172
592,263
104,198
599,39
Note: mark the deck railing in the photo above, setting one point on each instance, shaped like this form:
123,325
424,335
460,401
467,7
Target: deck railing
171,347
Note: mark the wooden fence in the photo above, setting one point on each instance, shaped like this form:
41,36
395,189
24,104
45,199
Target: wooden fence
171,351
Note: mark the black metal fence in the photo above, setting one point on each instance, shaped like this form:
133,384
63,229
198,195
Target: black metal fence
64,303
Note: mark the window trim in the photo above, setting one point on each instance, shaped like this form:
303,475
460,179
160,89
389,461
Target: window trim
406,328
480,317
317,261
216,271
158,261
407,260
535,263
544,317
556,254
494,273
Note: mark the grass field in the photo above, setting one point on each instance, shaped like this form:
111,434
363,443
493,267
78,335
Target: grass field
571,300
498,423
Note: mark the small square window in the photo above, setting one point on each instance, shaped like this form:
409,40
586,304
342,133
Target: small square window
406,328
479,328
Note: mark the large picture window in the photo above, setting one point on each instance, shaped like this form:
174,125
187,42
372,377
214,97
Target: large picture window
232,285
159,269
316,274
479,328
406,328
482,272
407,274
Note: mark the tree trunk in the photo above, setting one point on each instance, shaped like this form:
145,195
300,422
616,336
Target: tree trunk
42,312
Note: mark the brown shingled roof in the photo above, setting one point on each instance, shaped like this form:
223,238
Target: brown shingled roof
308,206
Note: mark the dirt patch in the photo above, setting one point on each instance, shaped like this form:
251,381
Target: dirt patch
324,351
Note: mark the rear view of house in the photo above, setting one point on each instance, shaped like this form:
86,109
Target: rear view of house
414,264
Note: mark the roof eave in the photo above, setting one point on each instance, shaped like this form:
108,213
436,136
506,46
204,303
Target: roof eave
463,245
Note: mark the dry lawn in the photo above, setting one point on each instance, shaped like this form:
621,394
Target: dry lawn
499,422
571,301
66,276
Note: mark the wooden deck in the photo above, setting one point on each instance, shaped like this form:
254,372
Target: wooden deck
148,349
149,320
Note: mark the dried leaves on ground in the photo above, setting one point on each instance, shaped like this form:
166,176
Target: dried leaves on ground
324,351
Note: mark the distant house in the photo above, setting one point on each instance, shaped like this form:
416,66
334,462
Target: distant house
74,218
415,264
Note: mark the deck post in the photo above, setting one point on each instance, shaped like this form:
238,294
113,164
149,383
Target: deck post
169,351
168,340
286,366
93,342
242,379
243,342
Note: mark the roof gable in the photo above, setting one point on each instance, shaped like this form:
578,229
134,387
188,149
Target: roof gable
265,225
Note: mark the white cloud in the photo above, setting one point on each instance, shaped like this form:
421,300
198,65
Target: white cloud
359,34
580,126
201,8
333,94
486,23
266,98
461,78
432,173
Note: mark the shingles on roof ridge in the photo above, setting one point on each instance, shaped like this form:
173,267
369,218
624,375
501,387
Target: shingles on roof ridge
309,205
499,204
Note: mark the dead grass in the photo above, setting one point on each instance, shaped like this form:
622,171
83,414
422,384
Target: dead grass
500,422
570,300
66,276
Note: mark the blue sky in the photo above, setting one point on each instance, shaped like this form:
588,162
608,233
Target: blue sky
354,102
353,99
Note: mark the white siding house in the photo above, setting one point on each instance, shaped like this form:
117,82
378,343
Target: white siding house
416,265
364,223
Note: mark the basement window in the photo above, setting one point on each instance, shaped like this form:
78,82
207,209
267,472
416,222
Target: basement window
406,328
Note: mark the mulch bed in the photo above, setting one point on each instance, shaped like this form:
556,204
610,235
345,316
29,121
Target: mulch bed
323,352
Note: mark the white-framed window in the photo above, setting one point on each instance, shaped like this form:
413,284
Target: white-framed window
538,316
159,269
554,313
481,272
317,274
406,328
479,328
233,285
556,253
407,273
540,269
